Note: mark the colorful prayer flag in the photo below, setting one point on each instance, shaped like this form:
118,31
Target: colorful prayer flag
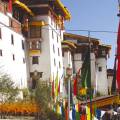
56,85
10,6
118,59
75,86
59,87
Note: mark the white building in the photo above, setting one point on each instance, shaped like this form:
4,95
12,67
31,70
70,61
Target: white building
31,35
99,55
34,50
12,47
44,39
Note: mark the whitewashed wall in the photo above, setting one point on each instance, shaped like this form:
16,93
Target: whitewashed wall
78,61
15,69
101,76
47,55
93,70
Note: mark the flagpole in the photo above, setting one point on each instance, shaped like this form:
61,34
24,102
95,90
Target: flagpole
118,48
69,73
90,94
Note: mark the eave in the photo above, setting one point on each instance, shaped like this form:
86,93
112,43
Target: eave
81,38
23,6
64,9
70,44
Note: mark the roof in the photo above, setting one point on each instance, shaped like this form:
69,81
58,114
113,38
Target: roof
81,38
23,6
69,43
59,6
64,9
108,47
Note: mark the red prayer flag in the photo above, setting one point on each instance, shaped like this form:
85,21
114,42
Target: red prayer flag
118,59
83,117
10,6
66,114
59,88
75,86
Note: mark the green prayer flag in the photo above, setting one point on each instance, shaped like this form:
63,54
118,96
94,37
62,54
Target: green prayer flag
86,71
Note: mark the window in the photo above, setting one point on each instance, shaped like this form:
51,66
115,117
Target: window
103,52
52,34
53,48
1,54
100,69
62,54
54,62
0,33
12,40
23,60
58,52
23,47
59,65
35,45
13,57
35,32
35,60
57,39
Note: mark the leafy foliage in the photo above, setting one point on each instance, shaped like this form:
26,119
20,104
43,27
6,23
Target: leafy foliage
8,91
43,99
42,95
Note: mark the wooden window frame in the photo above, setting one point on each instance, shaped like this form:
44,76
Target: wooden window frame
35,60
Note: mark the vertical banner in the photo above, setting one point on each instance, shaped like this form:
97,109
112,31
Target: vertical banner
118,59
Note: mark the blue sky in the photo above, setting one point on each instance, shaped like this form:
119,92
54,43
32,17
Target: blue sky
96,15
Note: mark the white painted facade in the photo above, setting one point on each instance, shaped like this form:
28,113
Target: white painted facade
77,61
12,58
98,78
93,70
101,76
50,58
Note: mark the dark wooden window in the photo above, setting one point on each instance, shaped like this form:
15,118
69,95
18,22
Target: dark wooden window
23,60
62,54
12,39
1,54
53,48
36,45
59,65
58,52
0,33
13,57
100,69
57,39
35,60
54,62
35,32
52,34
23,47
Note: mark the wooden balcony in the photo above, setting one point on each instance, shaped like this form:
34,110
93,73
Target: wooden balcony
34,47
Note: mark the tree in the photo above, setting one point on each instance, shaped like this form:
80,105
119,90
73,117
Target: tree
43,99
8,91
